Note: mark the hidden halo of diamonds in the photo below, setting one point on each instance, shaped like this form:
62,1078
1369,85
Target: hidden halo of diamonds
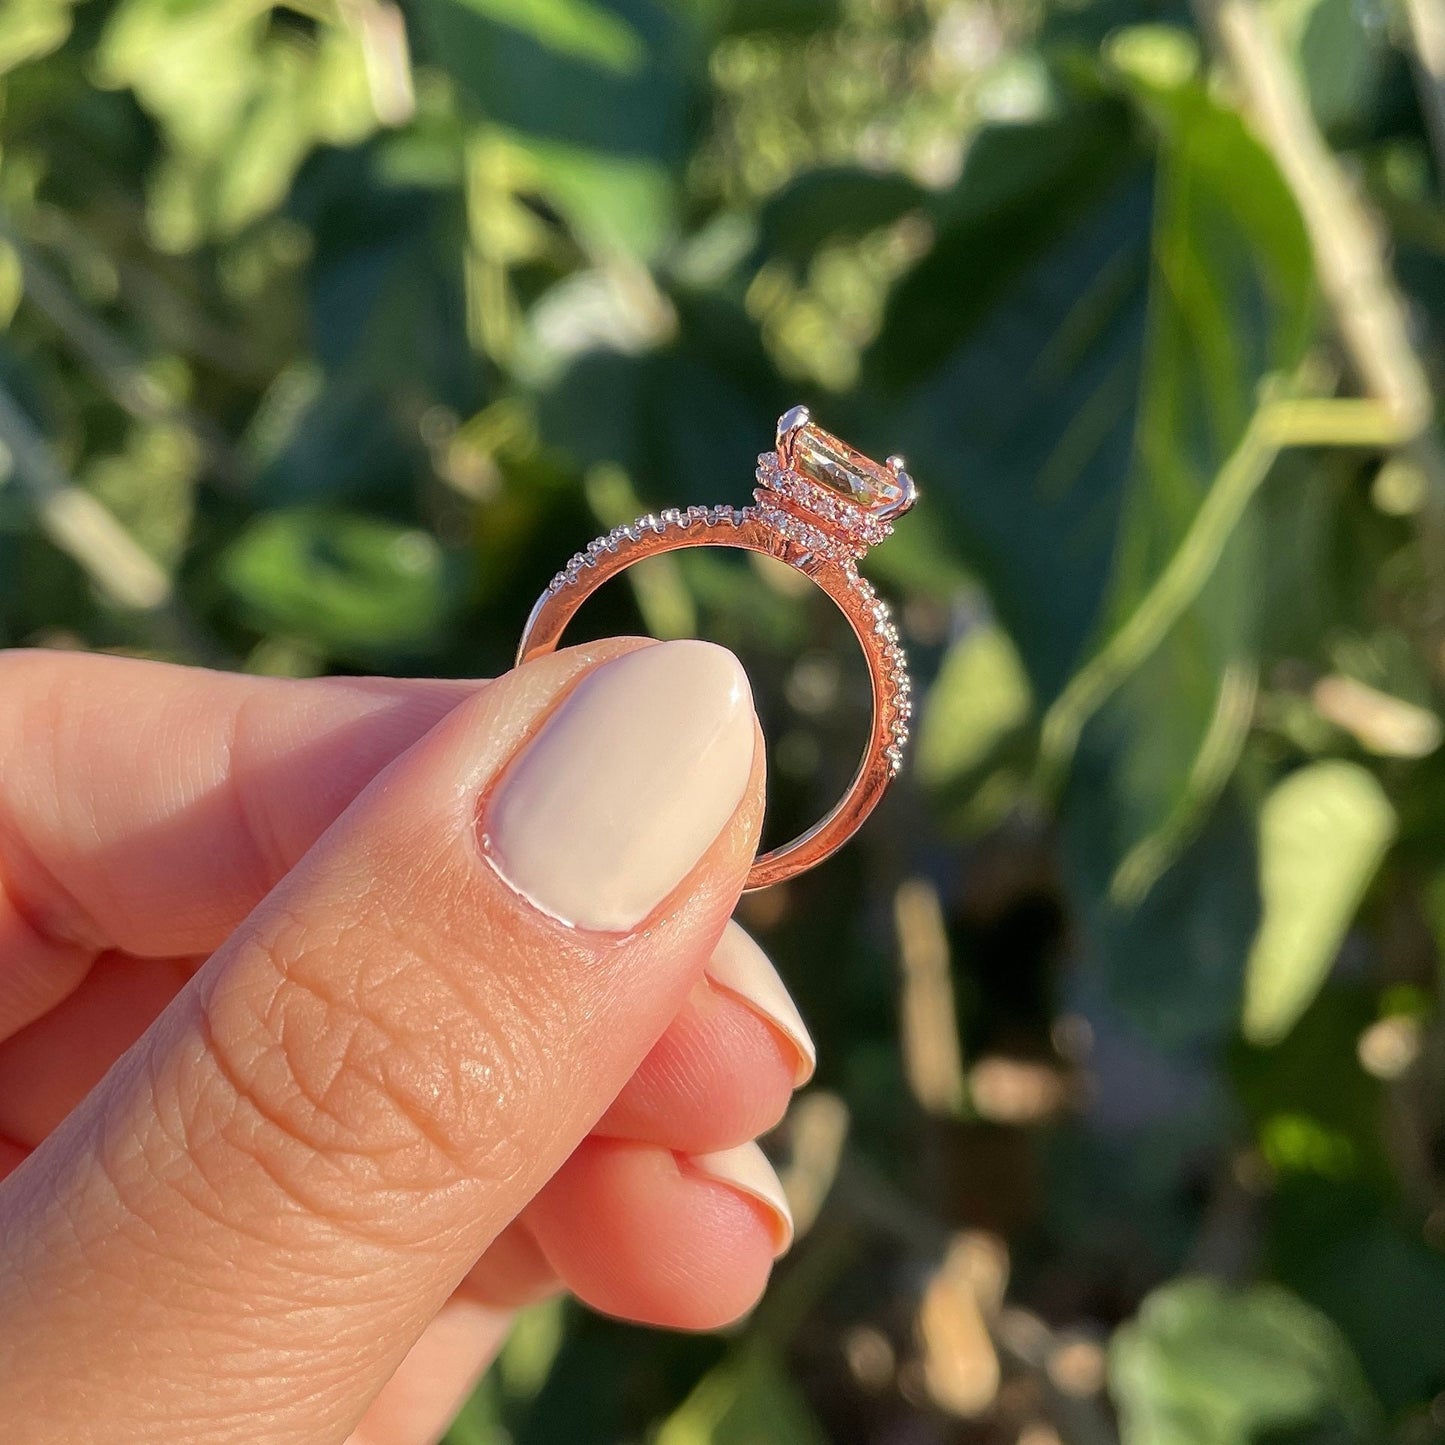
819,506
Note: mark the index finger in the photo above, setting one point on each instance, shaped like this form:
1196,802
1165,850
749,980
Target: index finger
147,808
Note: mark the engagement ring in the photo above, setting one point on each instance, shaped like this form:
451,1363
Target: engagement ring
819,506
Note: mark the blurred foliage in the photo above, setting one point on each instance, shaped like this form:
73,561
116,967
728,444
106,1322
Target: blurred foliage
332,328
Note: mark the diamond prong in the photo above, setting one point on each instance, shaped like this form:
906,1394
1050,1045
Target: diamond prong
791,420
909,486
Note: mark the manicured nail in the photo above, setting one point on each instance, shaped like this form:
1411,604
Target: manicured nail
746,1169
739,967
623,790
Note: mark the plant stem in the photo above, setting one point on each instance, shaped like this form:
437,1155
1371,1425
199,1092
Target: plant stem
1349,255
1180,582
1427,31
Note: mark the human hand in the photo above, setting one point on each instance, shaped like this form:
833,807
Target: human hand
305,1082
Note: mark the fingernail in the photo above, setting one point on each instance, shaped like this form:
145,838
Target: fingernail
746,1169
739,967
623,790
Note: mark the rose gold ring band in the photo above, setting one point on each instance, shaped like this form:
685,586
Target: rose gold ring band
797,521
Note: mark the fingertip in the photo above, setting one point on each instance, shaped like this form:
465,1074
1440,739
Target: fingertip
746,1169
636,1232
721,1074
739,967
626,787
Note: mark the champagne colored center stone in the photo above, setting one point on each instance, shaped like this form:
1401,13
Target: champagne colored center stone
821,457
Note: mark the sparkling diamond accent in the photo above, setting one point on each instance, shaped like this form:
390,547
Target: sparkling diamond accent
619,537
895,670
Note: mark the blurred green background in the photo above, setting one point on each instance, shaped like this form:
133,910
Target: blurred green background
332,328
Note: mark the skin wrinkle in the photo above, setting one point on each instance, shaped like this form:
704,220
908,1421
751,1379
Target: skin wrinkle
340,1178
38,897
419,1092
416,1069
44,724
212,1200
317,1234
271,859
517,1005
314,1253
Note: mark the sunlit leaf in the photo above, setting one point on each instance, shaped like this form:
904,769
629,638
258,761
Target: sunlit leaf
531,1349
1202,1363
240,102
348,582
981,695
613,203
973,747
1323,832
32,28
12,283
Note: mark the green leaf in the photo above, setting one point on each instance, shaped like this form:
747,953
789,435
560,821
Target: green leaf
1014,400
1231,301
1172,964
1006,225
354,584
777,17
1342,49
578,28
241,105
1312,1106
479,1422
531,1349
613,203
616,79
972,718
1230,304
32,28
1323,833
1205,1365
1349,1253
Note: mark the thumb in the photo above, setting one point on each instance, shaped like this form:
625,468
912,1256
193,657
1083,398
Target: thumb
241,1231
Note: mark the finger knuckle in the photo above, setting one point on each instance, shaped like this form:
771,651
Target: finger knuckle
352,1085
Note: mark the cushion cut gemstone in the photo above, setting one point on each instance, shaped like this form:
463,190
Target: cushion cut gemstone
808,450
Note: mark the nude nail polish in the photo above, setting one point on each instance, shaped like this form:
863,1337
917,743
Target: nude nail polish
739,967
629,782
746,1168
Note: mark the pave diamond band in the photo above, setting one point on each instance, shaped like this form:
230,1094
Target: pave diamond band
819,506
